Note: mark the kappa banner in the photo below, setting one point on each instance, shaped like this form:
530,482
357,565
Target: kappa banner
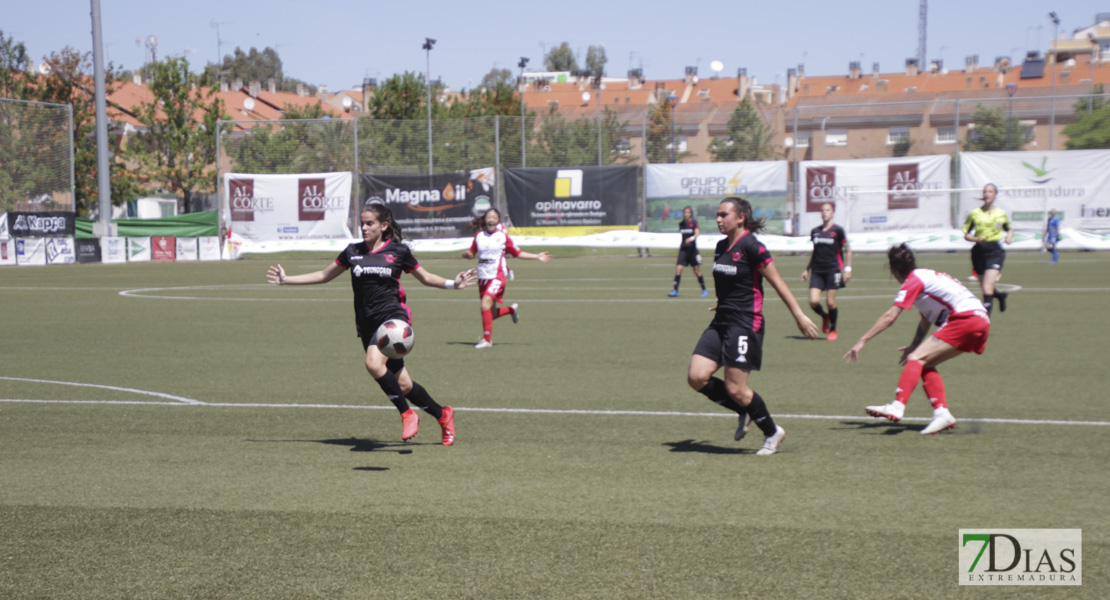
878,194
581,197
436,206
702,186
288,207
1074,182
38,224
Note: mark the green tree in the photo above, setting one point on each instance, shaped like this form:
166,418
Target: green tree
1091,130
255,66
561,58
595,60
659,133
13,62
749,136
496,77
995,131
560,142
399,97
177,152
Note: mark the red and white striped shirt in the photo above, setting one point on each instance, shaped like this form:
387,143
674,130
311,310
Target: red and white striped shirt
491,249
937,295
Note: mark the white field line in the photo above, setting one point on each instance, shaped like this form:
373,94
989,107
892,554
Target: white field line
177,399
540,411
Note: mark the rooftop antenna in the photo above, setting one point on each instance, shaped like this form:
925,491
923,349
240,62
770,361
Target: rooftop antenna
219,45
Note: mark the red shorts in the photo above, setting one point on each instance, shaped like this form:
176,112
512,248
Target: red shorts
494,288
967,331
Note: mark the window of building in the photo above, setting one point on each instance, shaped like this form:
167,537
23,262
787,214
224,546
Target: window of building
836,137
895,135
803,139
946,135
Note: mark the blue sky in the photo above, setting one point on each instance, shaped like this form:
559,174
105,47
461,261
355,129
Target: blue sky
379,39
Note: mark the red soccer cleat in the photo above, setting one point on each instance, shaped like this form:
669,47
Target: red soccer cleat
832,336
410,423
447,422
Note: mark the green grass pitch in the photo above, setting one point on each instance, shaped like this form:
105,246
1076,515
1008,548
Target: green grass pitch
224,440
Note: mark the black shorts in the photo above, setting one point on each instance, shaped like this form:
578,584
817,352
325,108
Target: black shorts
731,346
688,256
393,364
988,255
368,330
826,280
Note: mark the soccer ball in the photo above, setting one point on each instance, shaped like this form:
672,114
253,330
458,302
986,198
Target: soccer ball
394,338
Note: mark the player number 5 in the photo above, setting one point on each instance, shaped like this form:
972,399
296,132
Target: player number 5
742,345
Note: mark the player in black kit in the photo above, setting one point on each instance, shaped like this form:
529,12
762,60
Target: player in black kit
688,251
734,339
829,268
376,264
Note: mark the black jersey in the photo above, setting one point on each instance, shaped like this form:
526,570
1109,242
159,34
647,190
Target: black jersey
738,282
376,280
828,249
687,229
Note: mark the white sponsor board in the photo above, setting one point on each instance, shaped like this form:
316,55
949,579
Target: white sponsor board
715,179
4,225
138,249
877,194
30,251
186,249
113,250
208,247
60,251
7,250
306,206
1075,182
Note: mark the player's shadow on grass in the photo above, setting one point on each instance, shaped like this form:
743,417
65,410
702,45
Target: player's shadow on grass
471,344
882,427
356,444
705,448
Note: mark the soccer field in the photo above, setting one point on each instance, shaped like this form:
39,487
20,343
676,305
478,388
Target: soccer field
187,431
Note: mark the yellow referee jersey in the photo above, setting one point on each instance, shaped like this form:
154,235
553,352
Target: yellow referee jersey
989,225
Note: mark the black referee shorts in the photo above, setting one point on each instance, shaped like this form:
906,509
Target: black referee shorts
987,255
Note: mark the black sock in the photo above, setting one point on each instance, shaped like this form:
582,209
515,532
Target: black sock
1001,297
758,410
392,389
420,397
701,280
833,314
716,391
820,310
988,302
677,278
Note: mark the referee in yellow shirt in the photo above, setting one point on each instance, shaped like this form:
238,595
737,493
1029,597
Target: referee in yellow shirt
988,227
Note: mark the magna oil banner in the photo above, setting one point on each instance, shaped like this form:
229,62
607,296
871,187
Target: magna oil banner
307,206
583,197
437,206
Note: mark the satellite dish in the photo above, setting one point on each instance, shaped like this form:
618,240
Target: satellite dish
347,102
694,80
248,104
788,142
717,66
44,68
585,97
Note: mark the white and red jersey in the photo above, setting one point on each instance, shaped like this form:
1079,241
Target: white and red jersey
937,295
490,249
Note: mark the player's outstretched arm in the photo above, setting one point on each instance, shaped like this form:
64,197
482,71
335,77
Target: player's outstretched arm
276,275
805,325
882,324
542,256
460,281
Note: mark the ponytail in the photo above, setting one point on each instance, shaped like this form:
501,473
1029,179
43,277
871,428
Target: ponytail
383,213
479,223
744,208
901,260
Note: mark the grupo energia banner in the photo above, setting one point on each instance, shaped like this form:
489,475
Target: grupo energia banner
877,194
702,186
1075,182
572,201
436,206
307,206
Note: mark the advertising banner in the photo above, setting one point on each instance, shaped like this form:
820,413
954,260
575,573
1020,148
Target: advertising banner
4,226
437,206
138,249
7,251
602,198
162,248
702,186
30,251
877,194
88,250
41,224
186,248
208,247
1074,182
306,206
113,250
60,251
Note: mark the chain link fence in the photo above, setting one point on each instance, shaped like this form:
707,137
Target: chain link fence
36,156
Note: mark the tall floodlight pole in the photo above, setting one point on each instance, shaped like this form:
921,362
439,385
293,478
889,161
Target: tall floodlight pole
523,63
104,183
428,44
1052,111
1011,89
599,88
1094,53
673,101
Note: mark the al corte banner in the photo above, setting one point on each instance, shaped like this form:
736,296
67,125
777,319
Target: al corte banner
589,199
877,194
307,206
702,186
1074,182
436,206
